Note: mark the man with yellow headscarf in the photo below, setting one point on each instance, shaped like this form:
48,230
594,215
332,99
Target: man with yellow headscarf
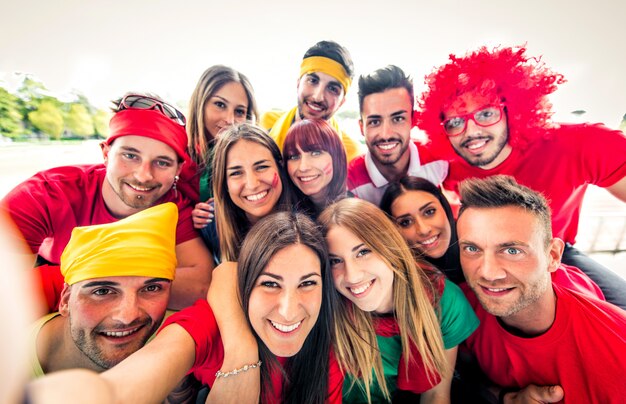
117,287
325,76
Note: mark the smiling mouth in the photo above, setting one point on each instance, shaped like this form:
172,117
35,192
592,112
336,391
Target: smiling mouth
308,179
361,289
476,143
140,188
315,106
256,197
285,328
428,242
120,334
386,146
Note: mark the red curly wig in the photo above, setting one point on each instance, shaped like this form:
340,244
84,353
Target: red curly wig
522,83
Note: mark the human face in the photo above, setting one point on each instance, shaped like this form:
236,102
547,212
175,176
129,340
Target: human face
286,299
226,106
386,124
319,96
253,179
311,171
422,222
110,318
482,146
359,273
505,259
139,171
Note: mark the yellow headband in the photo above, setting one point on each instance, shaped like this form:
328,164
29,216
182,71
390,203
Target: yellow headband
328,66
140,245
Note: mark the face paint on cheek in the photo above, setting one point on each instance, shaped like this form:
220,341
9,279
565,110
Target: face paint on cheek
328,170
275,180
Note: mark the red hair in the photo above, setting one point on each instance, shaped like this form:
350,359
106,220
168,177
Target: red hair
522,83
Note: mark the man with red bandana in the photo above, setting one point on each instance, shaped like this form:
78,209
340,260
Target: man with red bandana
488,111
325,76
386,109
143,156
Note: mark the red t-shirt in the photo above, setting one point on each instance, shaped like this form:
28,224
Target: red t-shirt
48,206
199,321
559,167
583,351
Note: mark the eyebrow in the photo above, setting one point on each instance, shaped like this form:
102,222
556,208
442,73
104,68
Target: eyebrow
100,283
254,164
357,247
393,114
280,278
134,150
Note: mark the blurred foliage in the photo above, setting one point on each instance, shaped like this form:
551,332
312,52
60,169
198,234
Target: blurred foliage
32,111
622,125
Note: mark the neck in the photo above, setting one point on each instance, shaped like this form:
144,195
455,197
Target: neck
535,319
394,172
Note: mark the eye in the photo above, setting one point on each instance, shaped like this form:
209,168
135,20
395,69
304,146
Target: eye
454,123
262,167
334,89
398,119
373,122
308,283
102,292
234,173
153,288
430,211
316,153
512,251
293,157
363,252
219,104
240,113
470,249
405,222
130,156
486,114
163,163
335,261
270,284
312,80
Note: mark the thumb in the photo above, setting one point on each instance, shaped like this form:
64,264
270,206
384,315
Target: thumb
550,394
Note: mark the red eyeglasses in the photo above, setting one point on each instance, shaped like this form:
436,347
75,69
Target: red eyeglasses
485,116
138,101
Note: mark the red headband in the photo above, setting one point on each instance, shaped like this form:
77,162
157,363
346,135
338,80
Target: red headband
149,123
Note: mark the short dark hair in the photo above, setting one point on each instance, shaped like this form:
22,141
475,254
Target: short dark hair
332,50
383,79
500,191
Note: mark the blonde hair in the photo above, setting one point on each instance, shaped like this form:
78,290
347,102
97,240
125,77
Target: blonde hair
356,345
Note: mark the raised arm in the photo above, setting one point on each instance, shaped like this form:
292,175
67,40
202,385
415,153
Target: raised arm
193,274
240,345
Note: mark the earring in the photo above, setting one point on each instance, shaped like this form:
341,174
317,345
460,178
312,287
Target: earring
176,178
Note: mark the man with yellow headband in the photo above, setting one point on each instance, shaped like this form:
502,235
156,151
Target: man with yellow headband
143,158
117,285
325,76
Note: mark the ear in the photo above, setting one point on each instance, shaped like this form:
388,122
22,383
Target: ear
361,127
64,303
180,167
106,148
555,252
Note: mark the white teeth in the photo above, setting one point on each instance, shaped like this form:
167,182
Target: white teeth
476,145
387,146
307,179
361,289
256,197
314,107
285,328
119,334
142,189
429,241
496,290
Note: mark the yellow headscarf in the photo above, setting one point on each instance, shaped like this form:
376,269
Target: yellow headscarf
326,65
142,244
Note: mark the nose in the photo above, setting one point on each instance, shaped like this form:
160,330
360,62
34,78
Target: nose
229,117
422,226
143,173
127,310
471,127
252,180
288,305
490,268
386,128
318,94
352,273
304,162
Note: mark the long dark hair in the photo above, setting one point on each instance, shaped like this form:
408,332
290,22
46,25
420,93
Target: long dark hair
449,263
306,373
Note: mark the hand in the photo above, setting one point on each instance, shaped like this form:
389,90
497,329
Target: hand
202,214
533,394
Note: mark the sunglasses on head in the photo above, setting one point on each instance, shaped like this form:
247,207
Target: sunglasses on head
137,101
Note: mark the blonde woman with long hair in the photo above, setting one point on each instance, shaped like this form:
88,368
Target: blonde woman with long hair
399,321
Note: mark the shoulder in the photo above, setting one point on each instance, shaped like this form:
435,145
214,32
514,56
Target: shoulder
458,320
357,172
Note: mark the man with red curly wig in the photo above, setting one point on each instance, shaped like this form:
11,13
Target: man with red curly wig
491,108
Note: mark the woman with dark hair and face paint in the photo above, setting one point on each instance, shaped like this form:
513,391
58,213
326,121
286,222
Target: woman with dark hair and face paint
425,220
316,163
282,283
249,182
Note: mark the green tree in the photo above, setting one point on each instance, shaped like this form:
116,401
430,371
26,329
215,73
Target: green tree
47,118
622,125
10,115
79,121
101,123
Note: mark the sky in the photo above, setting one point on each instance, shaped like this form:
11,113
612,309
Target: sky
106,48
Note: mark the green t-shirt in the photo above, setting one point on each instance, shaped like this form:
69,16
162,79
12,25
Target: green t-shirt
457,320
